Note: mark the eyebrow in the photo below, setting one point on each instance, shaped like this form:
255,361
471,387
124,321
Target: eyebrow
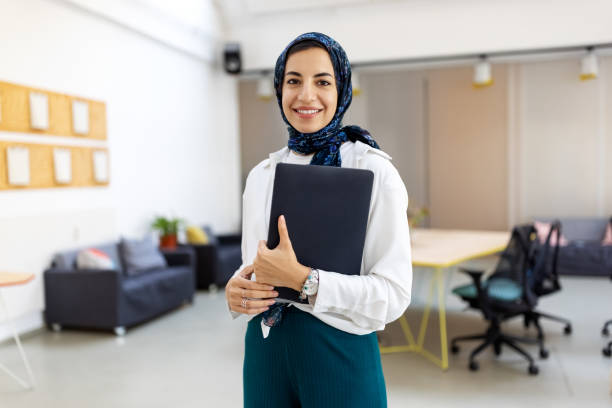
320,74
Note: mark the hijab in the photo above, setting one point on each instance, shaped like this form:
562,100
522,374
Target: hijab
325,143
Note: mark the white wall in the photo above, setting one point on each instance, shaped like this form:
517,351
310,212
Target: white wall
383,30
172,135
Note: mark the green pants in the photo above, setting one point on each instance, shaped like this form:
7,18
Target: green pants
308,364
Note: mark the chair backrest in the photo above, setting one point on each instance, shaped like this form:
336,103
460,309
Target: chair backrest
515,261
544,275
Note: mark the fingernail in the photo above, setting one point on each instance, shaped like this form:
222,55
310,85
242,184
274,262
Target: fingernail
275,294
271,302
267,308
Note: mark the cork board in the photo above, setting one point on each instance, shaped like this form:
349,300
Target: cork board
42,173
15,113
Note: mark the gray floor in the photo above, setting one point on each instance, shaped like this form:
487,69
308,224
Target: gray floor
192,357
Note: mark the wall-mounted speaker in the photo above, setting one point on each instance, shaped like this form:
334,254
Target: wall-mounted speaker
231,58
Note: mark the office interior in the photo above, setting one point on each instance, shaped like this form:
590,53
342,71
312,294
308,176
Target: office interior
532,141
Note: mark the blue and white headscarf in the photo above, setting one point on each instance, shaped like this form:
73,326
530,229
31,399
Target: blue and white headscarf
325,143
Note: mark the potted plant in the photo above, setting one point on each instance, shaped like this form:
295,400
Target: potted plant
168,228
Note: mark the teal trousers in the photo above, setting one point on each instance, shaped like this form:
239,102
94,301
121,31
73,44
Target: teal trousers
306,363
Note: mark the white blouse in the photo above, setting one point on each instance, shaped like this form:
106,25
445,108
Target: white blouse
381,293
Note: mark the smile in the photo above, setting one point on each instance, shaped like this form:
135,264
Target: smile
307,113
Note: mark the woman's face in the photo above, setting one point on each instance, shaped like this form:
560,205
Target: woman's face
309,90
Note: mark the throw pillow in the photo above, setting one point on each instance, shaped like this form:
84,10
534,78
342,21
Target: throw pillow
608,236
92,258
141,255
196,235
542,230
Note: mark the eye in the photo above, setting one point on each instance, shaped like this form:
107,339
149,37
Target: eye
324,82
292,81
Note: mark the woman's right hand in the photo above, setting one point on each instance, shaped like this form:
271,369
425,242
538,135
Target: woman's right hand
246,296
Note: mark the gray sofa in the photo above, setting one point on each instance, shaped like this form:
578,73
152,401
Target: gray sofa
584,254
112,299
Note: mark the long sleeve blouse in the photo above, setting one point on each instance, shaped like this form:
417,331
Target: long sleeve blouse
358,304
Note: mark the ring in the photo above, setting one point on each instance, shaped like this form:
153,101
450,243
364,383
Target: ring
244,303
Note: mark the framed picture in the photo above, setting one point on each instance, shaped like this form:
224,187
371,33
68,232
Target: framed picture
62,164
18,163
80,117
100,165
39,111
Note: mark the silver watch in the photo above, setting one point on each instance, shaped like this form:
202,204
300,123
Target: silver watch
311,285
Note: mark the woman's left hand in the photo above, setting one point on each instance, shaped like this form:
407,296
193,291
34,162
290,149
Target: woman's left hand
279,266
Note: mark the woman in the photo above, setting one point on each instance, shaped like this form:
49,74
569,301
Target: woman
324,353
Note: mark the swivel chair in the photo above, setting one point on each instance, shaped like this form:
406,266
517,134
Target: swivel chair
507,293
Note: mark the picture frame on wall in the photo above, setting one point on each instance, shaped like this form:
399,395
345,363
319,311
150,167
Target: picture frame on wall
80,117
39,111
62,164
18,165
100,166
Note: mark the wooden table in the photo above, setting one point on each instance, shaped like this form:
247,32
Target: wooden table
440,249
14,279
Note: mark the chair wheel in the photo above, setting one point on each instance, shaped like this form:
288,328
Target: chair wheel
454,349
533,369
568,329
605,331
606,351
543,354
473,366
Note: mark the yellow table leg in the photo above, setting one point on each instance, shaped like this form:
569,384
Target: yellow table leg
437,281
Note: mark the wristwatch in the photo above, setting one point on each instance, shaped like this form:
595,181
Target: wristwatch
311,285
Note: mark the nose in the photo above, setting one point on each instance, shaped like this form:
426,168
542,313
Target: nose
307,92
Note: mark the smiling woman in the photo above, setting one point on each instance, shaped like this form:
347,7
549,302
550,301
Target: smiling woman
322,353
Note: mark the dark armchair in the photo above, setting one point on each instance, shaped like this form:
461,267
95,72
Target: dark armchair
218,260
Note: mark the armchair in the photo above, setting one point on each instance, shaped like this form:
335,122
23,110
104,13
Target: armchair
217,261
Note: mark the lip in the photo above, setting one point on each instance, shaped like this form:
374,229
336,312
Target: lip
307,116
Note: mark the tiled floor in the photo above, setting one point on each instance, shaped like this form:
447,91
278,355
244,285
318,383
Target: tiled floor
192,357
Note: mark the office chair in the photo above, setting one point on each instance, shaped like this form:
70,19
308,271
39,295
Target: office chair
607,351
546,284
508,293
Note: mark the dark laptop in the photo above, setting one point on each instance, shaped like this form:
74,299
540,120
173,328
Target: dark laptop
326,209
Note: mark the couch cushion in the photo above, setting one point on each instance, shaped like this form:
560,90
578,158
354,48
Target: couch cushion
196,235
140,255
582,228
607,240
543,229
92,258
67,259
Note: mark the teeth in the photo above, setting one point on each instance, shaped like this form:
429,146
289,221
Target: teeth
308,112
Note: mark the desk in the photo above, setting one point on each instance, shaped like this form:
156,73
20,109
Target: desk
440,249
13,279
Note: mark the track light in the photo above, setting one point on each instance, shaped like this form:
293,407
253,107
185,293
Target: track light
589,65
356,84
265,88
482,73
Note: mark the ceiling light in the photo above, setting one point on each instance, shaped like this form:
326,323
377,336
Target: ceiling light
482,73
356,84
589,65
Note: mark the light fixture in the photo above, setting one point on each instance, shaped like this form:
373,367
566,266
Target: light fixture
482,73
589,65
356,84
265,88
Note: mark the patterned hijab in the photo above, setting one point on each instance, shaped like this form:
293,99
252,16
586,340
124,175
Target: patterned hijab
325,143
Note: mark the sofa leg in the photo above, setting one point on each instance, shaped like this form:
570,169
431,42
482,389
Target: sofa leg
119,331
56,327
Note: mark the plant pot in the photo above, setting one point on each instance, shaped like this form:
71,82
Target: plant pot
167,241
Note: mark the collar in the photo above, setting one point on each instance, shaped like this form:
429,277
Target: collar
360,150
